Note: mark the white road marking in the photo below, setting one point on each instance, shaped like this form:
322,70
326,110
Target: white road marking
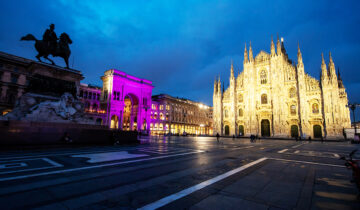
12,165
112,149
297,151
242,147
95,166
53,163
108,156
262,148
298,145
314,163
336,155
282,151
164,201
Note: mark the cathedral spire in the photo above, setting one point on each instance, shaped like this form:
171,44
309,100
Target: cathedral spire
340,82
299,55
272,47
215,85
246,59
219,85
278,46
324,73
251,58
332,70
232,69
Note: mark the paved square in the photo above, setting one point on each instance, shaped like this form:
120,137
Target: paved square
182,172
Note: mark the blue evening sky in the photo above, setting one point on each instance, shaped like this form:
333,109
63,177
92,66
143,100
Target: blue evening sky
182,45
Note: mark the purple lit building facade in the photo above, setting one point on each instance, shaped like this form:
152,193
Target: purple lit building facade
126,100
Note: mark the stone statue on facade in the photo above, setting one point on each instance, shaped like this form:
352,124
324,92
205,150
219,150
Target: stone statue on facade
67,109
51,45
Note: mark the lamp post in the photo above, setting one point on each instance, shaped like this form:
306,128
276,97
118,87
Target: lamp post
353,107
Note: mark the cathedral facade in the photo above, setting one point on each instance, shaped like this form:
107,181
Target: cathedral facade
274,97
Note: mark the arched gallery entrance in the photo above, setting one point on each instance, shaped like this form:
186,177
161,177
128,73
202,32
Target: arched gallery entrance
114,122
241,130
317,131
265,128
131,105
227,130
294,131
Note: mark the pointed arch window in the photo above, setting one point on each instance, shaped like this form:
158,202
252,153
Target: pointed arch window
264,99
241,98
315,108
293,110
241,113
292,92
263,77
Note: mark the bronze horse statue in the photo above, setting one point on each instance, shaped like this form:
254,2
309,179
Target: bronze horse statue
43,49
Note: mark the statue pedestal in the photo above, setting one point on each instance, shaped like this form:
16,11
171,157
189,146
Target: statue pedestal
21,75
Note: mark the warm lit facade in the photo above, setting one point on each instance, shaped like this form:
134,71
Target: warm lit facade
273,96
179,116
90,97
126,100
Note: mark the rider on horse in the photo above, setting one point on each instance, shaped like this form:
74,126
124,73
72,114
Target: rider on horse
50,38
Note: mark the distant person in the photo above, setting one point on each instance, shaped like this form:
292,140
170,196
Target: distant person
233,137
309,139
217,137
66,138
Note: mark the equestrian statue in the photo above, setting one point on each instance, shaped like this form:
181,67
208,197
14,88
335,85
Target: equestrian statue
51,45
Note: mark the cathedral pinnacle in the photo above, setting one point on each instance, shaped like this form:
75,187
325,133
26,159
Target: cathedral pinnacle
272,47
278,46
324,73
232,69
251,58
300,61
332,70
246,59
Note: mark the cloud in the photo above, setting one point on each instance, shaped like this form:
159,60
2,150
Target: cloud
182,45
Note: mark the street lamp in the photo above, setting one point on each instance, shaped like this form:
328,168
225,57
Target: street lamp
353,107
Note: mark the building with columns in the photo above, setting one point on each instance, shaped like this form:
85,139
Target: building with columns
273,96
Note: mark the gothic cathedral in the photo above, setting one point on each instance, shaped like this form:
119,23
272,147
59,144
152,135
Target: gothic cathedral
274,97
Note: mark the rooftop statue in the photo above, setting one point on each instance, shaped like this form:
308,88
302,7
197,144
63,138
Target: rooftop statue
51,45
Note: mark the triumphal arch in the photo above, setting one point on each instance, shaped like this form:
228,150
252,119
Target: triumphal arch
127,101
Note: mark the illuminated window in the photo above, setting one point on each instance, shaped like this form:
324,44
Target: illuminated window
263,77
153,107
293,110
161,126
161,116
292,92
161,107
151,116
167,116
167,127
167,107
155,115
241,99
151,126
241,113
315,108
156,126
263,99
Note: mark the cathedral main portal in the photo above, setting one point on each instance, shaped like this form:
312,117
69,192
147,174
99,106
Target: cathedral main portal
265,128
